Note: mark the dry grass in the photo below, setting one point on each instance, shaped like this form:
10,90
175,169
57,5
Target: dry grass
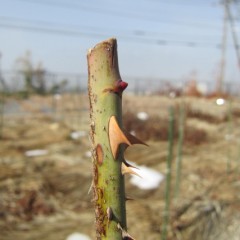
156,129
46,197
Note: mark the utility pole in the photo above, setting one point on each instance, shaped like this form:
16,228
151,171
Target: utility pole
1,67
220,81
233,31
2,82
2,95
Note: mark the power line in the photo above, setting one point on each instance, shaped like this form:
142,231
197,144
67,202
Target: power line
183,3
47,23
113,12
49,30
75,33
135,32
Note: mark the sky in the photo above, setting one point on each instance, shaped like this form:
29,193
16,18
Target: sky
172,40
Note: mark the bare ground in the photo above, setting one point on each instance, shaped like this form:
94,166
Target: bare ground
45,197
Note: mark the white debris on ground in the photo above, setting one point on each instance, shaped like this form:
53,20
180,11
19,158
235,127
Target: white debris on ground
57,96
142,116
220,101
78,134
78,236
229,137
54,126
172,95
150,178
36,153
88,154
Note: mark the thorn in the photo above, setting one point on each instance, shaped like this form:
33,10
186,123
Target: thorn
128,199
125,234
129,165
109,215
127,170
118,88
117,136
90,188
134,140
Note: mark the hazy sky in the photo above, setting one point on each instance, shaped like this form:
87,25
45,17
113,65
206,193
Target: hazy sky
164,39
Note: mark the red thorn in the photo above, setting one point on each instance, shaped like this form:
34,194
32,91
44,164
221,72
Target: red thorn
121,85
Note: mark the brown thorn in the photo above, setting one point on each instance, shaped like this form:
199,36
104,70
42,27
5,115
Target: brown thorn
128,199
125,234
127,170
117,136
134,140
129,165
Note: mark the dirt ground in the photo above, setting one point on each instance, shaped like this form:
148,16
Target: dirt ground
46,197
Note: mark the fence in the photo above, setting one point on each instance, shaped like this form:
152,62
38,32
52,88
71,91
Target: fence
50,82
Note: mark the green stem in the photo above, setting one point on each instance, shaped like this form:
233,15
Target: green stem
179,150
105,102
168,174
230,132
238,159
2,102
